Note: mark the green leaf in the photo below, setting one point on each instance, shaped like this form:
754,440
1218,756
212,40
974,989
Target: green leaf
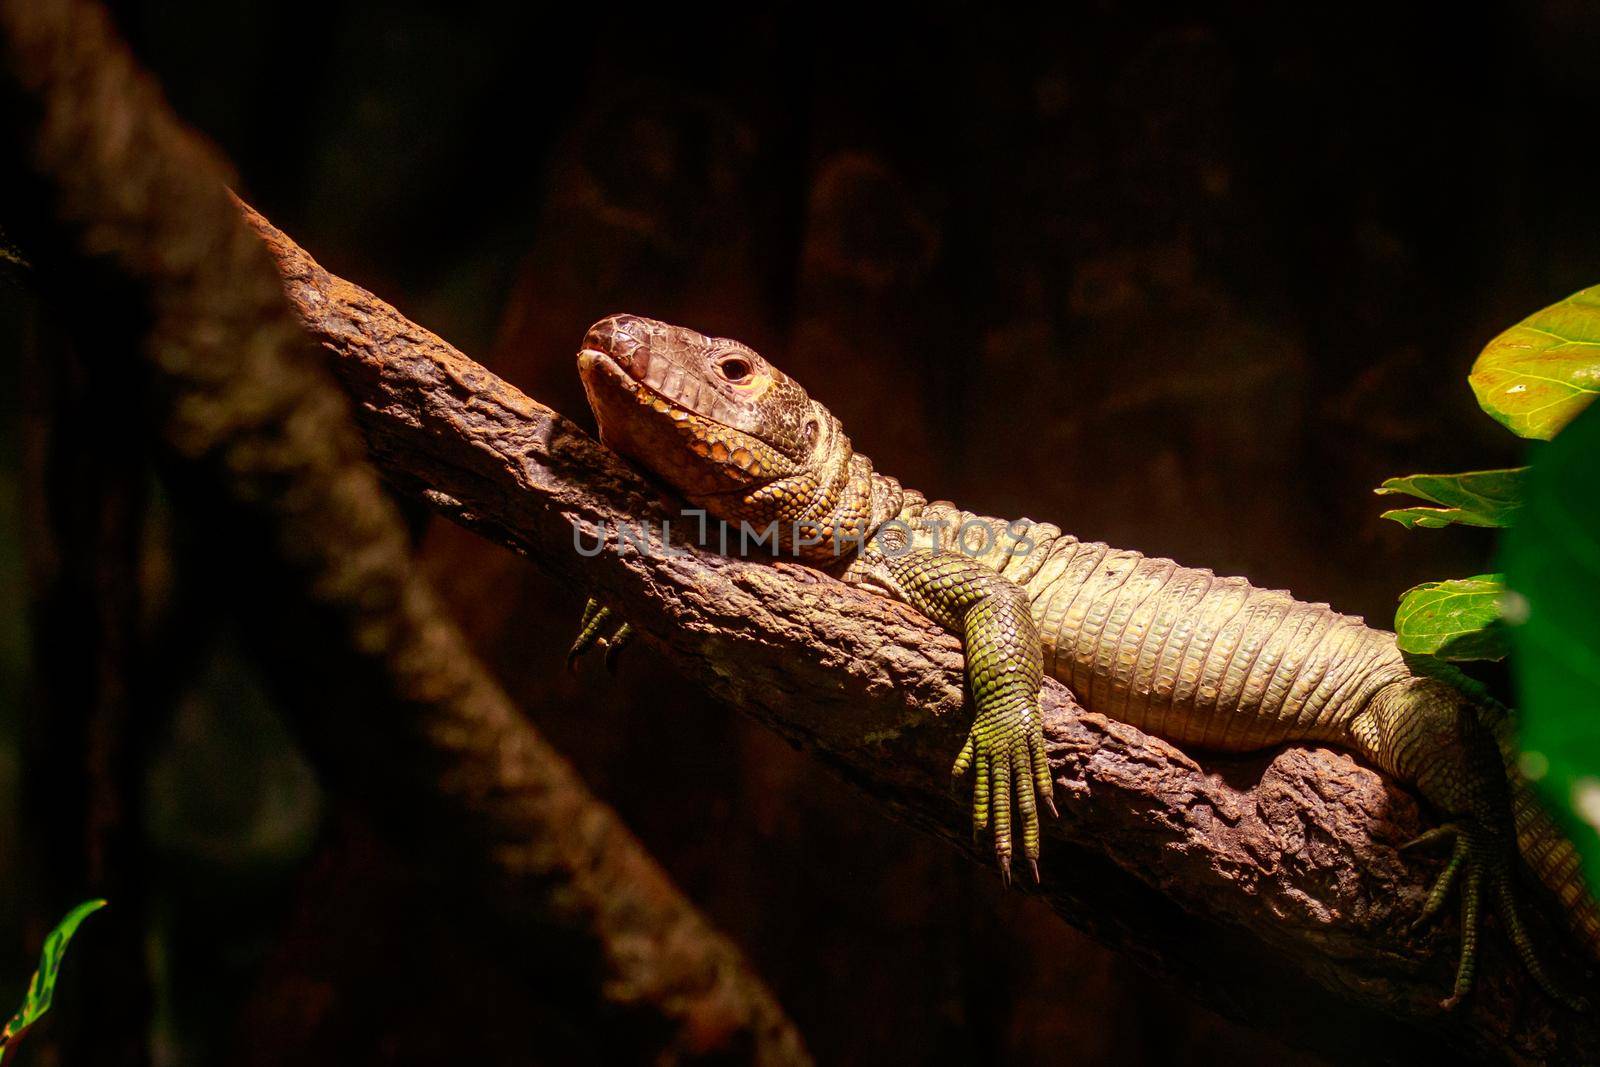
1476,498
1552,561
1544,370
1454,620
43,987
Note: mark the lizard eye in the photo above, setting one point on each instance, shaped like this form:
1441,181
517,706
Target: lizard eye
735,368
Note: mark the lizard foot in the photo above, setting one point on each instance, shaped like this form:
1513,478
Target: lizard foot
1482,864
595,617
1006,751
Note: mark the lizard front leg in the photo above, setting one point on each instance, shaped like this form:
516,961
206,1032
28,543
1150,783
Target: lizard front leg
595,618
1005,667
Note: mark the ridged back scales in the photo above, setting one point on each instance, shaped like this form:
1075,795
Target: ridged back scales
1215,663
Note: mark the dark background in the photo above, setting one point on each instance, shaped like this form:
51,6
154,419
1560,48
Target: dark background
1188,283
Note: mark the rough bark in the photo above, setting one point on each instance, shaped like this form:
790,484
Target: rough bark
1270,885
126,215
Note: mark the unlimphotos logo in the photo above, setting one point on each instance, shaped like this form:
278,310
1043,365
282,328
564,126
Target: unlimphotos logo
893,538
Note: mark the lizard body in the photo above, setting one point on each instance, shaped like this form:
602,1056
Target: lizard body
1204,661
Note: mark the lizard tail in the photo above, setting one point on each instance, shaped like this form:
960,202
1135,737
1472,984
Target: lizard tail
1545,849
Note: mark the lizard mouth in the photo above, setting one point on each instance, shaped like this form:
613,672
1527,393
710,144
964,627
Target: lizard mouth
680,372
593,363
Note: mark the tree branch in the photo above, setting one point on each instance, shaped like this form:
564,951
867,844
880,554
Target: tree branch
1270,886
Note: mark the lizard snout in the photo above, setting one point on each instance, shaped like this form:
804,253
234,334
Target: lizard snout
618,336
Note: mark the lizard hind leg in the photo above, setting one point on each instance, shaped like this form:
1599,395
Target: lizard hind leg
1424,732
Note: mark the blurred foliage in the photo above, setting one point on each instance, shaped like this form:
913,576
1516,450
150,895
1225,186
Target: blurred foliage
231,814
1540,373
1552,562
42,989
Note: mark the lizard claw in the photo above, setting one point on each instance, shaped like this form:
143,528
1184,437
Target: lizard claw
1481,866
1011,777
616,643
595,617
1447,832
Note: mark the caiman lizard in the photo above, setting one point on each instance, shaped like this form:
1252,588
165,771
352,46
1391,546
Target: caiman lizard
1203,661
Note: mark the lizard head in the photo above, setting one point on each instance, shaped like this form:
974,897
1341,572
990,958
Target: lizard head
705,414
